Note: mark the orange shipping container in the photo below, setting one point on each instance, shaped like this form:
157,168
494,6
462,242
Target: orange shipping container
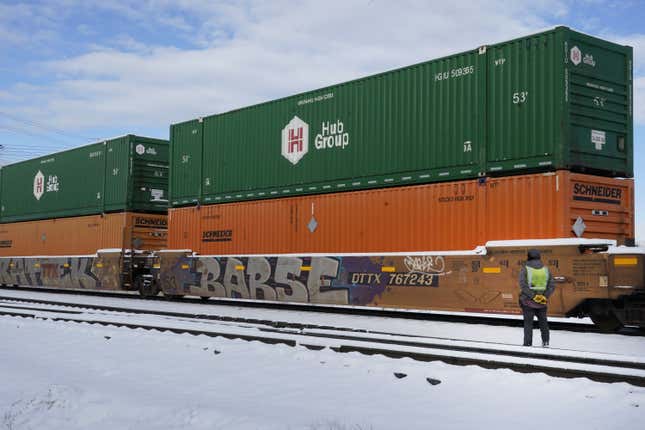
444,216
83,235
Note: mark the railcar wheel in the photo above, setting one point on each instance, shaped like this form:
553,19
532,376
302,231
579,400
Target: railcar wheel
205,298
146,288
604,317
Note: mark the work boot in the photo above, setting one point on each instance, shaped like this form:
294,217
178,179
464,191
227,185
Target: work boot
545,344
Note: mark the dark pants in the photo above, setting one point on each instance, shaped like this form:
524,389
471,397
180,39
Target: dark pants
529,313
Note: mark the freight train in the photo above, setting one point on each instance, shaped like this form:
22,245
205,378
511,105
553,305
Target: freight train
594,278
343,196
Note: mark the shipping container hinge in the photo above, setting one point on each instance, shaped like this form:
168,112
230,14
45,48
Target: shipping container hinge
482,50
200,119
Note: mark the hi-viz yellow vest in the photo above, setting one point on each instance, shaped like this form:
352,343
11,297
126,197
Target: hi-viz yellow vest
537,278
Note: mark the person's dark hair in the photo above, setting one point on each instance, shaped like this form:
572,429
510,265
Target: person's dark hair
533,254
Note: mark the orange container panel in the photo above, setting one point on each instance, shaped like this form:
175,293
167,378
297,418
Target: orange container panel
83,235
605,205
444,216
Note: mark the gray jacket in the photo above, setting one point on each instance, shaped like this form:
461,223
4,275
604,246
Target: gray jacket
526,294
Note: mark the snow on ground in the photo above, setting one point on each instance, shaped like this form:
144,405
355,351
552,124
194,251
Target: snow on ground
588,342
56,375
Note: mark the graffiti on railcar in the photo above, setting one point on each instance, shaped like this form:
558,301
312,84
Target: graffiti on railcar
338,280
91,273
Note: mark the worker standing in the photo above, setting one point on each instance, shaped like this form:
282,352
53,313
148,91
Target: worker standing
536,286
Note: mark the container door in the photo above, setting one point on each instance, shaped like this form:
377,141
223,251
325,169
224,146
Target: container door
149,177
600,105
603,206
186,140
524,109
146,231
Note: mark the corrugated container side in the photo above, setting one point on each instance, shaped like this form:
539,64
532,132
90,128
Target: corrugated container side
186,228
393,219
416,124
520,207
560,99
524,100
186,162
146,231
526,207
67,183
605,205
103,177
83,235
599,78
443,216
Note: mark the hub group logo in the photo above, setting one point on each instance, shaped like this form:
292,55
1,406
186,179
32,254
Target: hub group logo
295,140
41,186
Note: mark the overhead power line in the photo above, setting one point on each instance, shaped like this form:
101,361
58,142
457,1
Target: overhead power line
42,126
22,130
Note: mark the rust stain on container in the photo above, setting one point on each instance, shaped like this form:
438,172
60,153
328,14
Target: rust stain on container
84,235
442,216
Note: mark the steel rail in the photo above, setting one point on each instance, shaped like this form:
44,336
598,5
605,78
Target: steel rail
494,320
395,348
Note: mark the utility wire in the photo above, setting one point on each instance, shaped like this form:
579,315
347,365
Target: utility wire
41,146
43,126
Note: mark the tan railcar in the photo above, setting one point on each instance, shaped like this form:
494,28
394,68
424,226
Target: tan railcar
593,278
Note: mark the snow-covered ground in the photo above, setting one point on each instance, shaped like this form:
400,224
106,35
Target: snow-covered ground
510,336
56,375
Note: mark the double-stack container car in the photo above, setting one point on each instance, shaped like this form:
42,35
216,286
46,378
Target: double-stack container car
526,139
105,198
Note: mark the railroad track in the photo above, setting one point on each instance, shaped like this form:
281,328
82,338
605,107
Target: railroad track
378,312
555,362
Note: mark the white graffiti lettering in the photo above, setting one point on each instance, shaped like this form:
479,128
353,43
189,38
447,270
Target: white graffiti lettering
428,264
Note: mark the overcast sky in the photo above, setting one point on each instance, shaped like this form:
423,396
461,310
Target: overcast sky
72,72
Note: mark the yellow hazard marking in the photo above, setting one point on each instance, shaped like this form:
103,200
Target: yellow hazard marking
156,266
66,265
11,264
388,269
99,265
492,270
239,267
625,261
185,266
305,268
37,265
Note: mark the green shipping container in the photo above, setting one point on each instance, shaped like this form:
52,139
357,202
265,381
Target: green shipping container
554,100
128,173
